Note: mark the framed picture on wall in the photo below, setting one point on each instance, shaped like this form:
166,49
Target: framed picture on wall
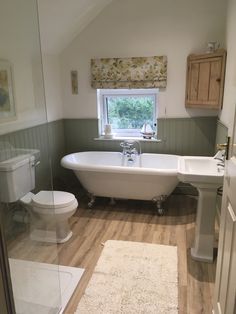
7,105
74,82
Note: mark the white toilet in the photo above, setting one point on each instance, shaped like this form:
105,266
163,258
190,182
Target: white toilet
54,208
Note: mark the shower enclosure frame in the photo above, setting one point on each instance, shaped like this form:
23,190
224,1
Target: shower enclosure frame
6,292
8,299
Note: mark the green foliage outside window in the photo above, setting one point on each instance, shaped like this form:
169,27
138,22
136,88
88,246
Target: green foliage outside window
130,112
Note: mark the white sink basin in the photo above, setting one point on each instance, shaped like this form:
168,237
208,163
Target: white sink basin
197,170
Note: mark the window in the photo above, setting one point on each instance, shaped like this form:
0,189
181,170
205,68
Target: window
127,110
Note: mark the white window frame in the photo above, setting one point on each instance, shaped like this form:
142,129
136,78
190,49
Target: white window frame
102,108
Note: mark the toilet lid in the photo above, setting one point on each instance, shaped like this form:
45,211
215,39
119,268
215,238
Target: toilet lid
53,199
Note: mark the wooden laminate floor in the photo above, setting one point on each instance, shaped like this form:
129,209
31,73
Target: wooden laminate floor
131,221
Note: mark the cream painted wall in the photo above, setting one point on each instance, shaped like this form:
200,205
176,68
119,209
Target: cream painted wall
21,47
52,82
227,113
62,20
143,28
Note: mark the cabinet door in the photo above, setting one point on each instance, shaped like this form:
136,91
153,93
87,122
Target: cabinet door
205,83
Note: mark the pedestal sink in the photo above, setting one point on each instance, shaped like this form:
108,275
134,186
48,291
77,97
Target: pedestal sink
207,177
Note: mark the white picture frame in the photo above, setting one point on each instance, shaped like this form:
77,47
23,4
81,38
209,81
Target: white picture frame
7,104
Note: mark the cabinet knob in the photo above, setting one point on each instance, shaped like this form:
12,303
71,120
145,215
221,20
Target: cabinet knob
218,79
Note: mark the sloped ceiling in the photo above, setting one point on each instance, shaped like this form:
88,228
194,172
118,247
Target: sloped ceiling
62,20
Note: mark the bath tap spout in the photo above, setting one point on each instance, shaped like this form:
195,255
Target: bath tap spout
139,146
129,149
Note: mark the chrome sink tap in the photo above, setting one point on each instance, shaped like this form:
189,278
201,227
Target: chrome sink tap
220,155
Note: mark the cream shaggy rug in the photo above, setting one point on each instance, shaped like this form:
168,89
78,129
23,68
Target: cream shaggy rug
133,277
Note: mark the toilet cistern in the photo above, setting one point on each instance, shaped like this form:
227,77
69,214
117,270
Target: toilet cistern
52,208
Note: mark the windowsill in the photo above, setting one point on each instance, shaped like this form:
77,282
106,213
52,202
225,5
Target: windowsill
123,138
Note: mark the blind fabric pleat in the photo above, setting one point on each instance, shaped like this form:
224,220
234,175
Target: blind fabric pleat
136,72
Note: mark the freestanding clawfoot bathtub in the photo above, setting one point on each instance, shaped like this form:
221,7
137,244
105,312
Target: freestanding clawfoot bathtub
111,174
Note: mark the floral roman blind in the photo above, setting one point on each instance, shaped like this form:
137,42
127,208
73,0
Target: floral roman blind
137,72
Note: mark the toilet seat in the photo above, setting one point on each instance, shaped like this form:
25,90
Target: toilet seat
53,199
56,211
54,202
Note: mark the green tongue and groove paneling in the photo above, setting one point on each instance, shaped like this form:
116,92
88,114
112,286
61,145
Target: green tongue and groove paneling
184,136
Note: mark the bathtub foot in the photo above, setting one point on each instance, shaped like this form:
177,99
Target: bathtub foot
160,211
92,201
112,201
159,204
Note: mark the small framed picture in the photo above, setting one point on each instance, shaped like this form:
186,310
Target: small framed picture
74,82
7,105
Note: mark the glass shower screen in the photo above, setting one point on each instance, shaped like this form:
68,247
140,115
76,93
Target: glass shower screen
25,162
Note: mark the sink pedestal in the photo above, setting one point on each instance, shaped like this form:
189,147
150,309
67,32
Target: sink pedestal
205,223
205,174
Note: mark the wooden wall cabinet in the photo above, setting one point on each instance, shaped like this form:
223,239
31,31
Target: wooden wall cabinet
205,80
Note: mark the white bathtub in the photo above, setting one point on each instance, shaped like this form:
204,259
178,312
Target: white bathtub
110,174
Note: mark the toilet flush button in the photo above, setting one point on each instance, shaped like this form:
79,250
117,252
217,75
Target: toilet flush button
27,199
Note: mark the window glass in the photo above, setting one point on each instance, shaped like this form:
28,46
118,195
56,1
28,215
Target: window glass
128,110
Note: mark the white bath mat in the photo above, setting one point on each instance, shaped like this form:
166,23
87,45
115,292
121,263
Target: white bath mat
133,277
